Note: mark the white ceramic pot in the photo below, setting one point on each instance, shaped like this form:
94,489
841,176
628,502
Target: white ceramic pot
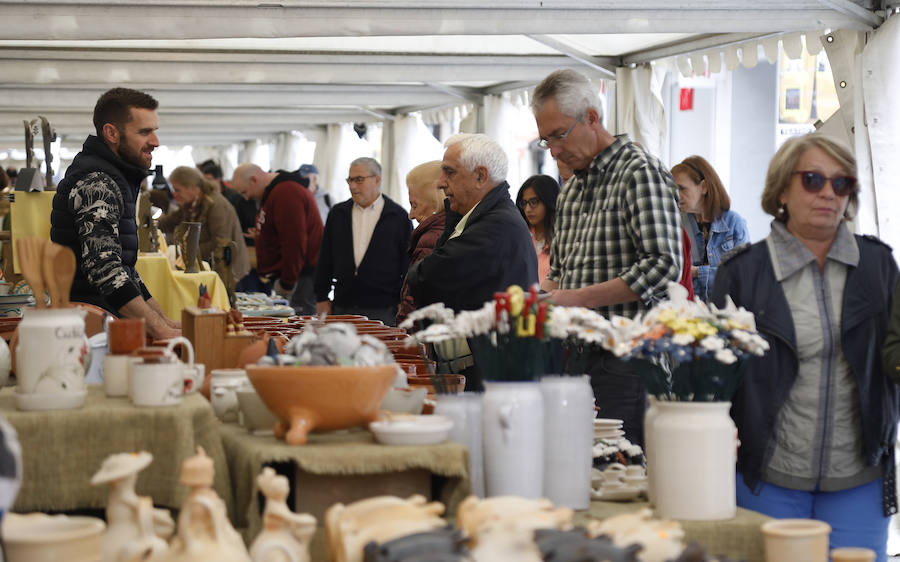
115,374
160,383
223,387
465,411
696,444
649,417
37,537
568,440
52,350
513,430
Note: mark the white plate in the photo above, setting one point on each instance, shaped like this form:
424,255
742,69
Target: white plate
607,422
16,299
617,494
51,400
412,430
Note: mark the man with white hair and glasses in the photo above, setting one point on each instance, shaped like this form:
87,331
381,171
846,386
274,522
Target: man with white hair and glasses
617,243
486,245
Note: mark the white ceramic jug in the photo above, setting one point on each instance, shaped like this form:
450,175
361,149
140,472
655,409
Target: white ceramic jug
568,440
52,351
513,424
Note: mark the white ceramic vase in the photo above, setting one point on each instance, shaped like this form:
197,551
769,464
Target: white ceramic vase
568,440
652,470
465,411
513,432
695,447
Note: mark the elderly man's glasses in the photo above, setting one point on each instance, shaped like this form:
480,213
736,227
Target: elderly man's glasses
556,139
529,203
813,182
358,179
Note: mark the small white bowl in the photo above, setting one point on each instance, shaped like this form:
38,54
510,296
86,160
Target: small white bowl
404,400
37,536
50,400
412,430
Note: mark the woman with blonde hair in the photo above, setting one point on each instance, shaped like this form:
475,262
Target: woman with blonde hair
817,415
200,200
426,206
714,229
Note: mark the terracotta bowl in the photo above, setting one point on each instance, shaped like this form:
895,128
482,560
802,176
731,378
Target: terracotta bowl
323,398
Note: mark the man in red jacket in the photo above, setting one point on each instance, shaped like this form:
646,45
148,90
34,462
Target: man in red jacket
288,231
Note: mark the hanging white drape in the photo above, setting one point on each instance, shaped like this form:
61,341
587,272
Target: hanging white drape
513,127
413,145
257,152
880,82
639,105
226,156
287,155
340,146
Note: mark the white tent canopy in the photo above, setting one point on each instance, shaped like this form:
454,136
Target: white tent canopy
227,71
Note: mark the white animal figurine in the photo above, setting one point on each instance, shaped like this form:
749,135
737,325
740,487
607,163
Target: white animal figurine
662,540
286,535
131,521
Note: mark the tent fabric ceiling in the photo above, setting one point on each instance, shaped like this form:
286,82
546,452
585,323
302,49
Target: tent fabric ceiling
232,70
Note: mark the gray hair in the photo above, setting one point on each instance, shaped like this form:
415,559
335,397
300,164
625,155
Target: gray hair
370,163
480,150
572,90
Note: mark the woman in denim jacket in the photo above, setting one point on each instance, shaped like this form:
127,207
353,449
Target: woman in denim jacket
713,228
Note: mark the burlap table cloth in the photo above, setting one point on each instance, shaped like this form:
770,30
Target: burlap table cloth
62,449
739,538
337,453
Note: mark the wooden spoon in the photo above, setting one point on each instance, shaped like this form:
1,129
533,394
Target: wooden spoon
48,268
31,253
65,273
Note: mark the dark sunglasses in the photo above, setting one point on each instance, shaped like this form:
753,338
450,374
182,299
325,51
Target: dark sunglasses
813,182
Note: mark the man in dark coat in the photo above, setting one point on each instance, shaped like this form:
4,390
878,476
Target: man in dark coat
94,209
486,245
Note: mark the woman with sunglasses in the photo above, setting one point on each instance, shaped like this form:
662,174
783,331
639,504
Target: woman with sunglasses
816,416
714,229
537,202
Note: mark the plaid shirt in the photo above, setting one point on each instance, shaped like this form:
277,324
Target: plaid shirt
619,220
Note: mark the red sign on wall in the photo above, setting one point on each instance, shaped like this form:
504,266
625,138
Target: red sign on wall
686,99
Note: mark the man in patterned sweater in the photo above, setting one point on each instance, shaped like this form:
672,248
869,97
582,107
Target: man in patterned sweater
617,243
94,209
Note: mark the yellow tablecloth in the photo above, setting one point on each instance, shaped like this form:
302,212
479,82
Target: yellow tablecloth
175,290
62,449
30,216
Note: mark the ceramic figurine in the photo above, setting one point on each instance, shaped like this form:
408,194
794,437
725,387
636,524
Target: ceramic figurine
204,531
134,527
381,519
511,537
662,540
473,513
286,535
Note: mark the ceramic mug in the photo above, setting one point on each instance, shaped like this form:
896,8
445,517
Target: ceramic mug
793,540
852,554
223,387
159,380
124,335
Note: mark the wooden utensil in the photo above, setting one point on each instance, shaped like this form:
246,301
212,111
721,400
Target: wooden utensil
49,272
65,273
31,253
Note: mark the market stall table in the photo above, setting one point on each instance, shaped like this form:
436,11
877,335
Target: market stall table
739,538
341,466
174,290
61,449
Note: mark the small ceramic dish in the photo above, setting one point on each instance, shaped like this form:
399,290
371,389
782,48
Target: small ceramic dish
36,536
50,400
412,430
616,493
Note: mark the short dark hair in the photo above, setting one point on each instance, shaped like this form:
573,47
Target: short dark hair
115,105
210,167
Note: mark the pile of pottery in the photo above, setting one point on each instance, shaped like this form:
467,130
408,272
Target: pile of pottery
618,472
135,530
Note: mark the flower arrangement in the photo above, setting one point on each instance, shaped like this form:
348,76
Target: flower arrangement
686,350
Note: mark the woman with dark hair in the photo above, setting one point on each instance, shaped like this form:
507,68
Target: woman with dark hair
537,202
713,228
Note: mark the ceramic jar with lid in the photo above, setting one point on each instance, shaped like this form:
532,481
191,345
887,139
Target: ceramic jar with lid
52,351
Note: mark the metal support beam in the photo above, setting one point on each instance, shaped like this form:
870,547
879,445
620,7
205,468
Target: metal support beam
684,47
468,94
604,65
375,113
854,10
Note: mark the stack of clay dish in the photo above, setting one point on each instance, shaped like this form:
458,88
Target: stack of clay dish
408,429
608,429
37,537
325,398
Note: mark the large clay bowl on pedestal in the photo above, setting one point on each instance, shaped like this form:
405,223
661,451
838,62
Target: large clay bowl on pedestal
321,398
